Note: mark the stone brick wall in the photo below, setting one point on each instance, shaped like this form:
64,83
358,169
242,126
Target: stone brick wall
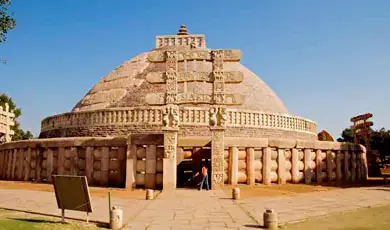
137,160
102,160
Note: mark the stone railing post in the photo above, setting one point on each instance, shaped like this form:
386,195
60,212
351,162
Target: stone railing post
307,160
233,161
295,166
250,162
169,160
267,165
281,167
131,164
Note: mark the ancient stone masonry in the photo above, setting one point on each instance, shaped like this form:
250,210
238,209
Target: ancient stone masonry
6,121
170,109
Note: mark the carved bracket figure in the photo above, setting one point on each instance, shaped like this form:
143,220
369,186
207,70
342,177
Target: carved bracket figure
171,117
218,117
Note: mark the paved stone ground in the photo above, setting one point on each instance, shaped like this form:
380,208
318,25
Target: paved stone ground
192,209
45,203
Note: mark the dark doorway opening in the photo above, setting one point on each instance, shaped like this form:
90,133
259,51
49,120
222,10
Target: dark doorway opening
189,169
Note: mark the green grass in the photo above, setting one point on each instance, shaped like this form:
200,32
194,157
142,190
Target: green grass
10,220
363,219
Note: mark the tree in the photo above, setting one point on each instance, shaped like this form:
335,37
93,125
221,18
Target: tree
380,140
7,22
346,135
19,133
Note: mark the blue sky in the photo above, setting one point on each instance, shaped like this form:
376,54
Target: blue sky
327,60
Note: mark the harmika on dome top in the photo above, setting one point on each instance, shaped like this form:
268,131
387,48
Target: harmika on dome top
184,81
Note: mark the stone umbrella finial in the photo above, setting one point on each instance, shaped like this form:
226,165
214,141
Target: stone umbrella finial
183,30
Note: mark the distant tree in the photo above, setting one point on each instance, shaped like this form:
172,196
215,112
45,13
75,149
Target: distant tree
19,133
380,140
346,135
7,22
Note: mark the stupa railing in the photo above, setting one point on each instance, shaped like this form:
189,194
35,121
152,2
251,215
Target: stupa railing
189,116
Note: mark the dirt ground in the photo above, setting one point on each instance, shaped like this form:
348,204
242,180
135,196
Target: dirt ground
245,190
94,191
292,189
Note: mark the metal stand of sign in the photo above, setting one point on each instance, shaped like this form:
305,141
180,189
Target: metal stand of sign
63,216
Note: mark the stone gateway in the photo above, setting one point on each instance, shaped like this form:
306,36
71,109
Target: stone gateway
153,121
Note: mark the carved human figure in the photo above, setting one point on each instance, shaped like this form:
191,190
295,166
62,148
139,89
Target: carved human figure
175,117
213,117
166,117
223,116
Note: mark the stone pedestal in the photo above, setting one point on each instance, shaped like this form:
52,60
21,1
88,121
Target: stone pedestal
217,157
169,161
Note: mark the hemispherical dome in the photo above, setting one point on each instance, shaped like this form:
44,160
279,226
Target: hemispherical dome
185,83
126,86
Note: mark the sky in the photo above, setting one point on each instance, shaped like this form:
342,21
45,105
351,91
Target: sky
327,60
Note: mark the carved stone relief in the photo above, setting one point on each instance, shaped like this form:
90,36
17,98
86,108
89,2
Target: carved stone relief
170,144
171,117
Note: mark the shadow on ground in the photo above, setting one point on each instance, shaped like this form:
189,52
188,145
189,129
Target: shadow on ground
36,221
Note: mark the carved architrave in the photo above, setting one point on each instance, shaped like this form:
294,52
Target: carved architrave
217,156
194,98
229,77
170,144
228,55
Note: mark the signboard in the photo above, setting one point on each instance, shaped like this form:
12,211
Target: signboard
72,193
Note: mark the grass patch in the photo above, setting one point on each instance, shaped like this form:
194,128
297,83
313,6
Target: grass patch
11,220
363,219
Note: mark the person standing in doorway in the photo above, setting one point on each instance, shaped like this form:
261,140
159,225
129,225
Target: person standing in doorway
205,178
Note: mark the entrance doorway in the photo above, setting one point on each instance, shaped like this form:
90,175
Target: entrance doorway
189,169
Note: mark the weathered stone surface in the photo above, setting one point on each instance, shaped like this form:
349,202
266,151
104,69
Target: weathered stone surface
281,143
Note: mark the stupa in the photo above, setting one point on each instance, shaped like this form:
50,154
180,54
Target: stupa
183,72
156,119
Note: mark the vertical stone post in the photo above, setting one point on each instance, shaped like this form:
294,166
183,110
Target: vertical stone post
20,164
27,164
13,169
49,165
329,166
1,164
338,166
250,153
267,166
295,166
217,157
347,173
169,161
105,166
233,161
319,168
131,164
88,163
61,160
353,166
307,159
281,167
363,164
151,163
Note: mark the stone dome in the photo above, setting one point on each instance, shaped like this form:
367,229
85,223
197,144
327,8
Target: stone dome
126,86
133,97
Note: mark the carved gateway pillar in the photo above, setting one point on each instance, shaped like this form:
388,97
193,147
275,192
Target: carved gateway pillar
191,48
